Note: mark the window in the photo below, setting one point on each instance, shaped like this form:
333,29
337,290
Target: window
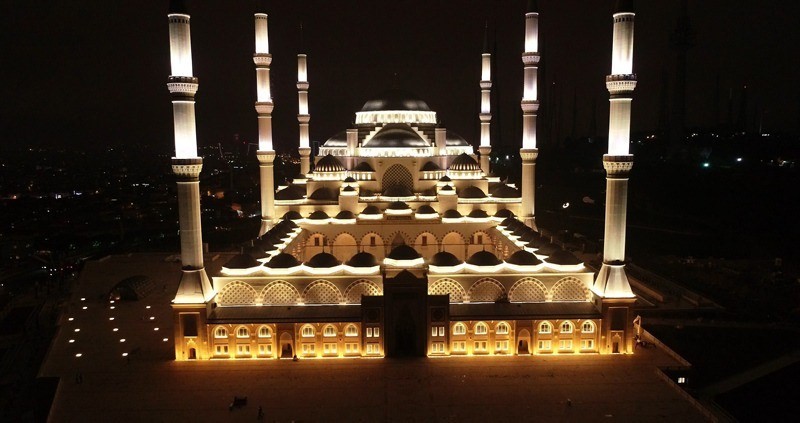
459,346
242,332
587,344
566,327
221,349
681,380
376,332
329,348
308,349
481,329
588,327
351,330
480,346
373,348
220,332
441,330
264,332
242,350
329,331
459,329
501,347
437,330
502,328
189,323
565,344
351,348
479,239
545,345
308,331
369,332
316,241
545,327
424,240
372,241
265,349
437,348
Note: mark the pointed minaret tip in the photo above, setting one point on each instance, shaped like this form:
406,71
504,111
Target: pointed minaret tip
623,6
486,38
178,6
533,6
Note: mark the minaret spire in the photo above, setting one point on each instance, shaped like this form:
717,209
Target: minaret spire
486,114
195,287
266,154
303,116
530,107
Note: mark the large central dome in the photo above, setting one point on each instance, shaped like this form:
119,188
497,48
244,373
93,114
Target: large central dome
396,100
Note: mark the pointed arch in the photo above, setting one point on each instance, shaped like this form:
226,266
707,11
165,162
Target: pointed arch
354,291
397,175
237,293
528,290
426,244
449,287
570,289
344,246
453,243
322,292
373,243
486,290
279,293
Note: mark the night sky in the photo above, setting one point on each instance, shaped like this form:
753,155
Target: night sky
88,73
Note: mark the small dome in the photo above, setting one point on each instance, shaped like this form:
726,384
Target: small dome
318,215
504,213
446,188
396,135
292,192
370,210
283,261
338,140
425,209
471,192
452,214
292,215
537,242
329,164
348,189
464,163
363,167
349,179
362,259
484,258
397,205
403,252
397,191
521,230
444,259
508,221
263,244
478,214
255,252
529,236
395,99
430,192
323,260
324,194
345,215
445,178
563,257
430,167
547,249
505,191
242,261
523,258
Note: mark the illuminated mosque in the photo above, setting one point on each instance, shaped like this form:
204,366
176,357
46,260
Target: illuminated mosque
396,240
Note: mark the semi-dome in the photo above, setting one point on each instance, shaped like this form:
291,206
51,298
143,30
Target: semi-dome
363,167
444,259
323,260
395,100
345,215
505,191
523,258
564,258
292,215
397,191
371,210
472,192
292,192
241,261
318,215
396,135
397,205
454,140
452,214
362,259
478,214
430,167
283,261
324,194
338,140
504,214
329,164
425,209
484,258
464,163
403,252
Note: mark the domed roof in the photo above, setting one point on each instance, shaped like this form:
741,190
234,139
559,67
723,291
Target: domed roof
425,209
324,194
508,221
403,252
443,258
523,258
529,236
323,260
445,178
396,135
370,210
484,258
283,261
349,179
398,191
242,261
472,192
318,215
504,213
563,257
547,249
338,140
292,192
478,214
397,205
537,242
464,163
345,215
521,230
395,100
362,259
505,191
255,252
263,244
446,188
430,167
455,140
452,214
363,167
329,164
348,189
292,215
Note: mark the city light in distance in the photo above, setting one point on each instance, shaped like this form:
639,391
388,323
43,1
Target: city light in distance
78,355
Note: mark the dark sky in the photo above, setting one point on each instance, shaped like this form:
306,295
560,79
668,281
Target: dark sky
82,73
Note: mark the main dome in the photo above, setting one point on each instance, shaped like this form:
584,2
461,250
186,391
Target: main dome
396,100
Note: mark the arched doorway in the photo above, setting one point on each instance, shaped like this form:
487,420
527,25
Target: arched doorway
523,342
616,343
192,354
397,178
287,347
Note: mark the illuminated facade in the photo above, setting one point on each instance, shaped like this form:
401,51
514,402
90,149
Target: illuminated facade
398,241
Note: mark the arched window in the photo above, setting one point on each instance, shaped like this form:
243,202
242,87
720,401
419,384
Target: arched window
545,327
588,327
459,329
308,331
242,332
502,328
220,332
351,330
481,328
566,327
329,331
264,332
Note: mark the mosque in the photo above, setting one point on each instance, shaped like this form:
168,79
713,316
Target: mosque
396,240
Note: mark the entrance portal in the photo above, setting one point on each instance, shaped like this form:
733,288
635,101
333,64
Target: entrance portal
192,354
405,304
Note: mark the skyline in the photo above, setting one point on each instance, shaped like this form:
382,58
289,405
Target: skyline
71,86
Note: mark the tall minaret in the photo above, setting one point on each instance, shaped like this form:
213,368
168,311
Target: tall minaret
530,107
195,287
265,154
611,281
302,114
486,113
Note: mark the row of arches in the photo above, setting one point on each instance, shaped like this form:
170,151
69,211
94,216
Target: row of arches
284,293
525,290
